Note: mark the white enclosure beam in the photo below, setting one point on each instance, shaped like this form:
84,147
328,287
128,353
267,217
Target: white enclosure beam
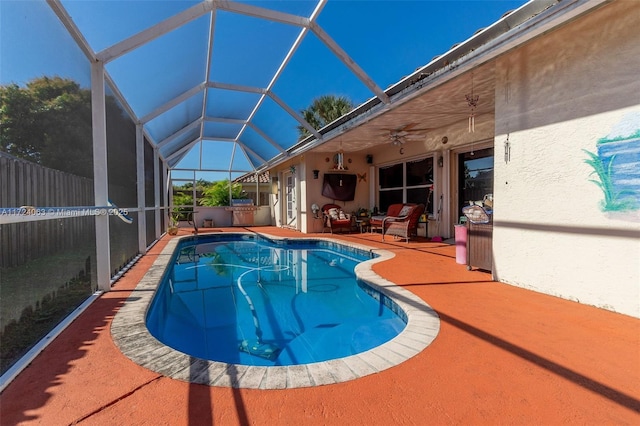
295,115
294,47
225,120
191,126
207,72
168,193
100,175
349,62
243,171
157,184
142,217
119,96
258,12
172,103
74,31
235,87
232,140
249,150
182,150
231,157
267,138
154,32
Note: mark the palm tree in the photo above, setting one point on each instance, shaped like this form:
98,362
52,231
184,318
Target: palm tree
322,111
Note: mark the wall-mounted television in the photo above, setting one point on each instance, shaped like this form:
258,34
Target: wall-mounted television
339,186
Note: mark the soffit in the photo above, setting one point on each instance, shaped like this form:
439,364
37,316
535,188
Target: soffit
439,107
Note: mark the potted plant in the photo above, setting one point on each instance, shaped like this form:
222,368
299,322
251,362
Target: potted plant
362,212
174,219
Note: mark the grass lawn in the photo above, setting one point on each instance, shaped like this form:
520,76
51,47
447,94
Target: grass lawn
36,296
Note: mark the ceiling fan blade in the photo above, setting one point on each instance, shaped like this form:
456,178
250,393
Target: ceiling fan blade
401,129
404,134
408,127
414,136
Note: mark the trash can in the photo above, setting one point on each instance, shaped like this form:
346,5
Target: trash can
479,238
461,244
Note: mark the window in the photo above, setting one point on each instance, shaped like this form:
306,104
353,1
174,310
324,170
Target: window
407,182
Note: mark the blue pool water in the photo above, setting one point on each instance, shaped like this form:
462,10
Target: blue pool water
252,301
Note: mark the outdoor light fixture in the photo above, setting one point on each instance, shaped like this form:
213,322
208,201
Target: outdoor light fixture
440,161
316,173
507,150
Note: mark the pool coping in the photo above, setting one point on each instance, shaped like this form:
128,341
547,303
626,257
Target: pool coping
131,336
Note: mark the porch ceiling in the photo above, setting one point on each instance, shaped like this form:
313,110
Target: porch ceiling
424,115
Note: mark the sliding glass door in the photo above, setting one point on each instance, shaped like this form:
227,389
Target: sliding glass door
475,178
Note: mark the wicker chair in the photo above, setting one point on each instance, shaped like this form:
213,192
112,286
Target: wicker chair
405,225
393,210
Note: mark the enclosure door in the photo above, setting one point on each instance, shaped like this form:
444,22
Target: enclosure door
291,211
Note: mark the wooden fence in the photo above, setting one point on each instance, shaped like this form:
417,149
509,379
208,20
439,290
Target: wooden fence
25,183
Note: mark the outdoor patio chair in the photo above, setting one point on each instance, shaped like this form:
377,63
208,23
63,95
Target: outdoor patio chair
375,223
405,225
336,219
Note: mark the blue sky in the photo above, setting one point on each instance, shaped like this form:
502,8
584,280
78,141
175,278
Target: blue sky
387,39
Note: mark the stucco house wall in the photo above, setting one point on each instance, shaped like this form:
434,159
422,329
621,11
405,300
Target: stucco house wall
556,98
311,193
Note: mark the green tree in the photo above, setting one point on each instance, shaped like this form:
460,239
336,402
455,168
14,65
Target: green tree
48,122
322,111
217,194
18,133
182,199
201,184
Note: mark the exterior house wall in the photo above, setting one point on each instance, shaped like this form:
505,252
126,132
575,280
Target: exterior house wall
556,98
313,187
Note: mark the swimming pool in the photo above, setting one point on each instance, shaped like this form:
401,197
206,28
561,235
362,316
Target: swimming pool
255,301
133,338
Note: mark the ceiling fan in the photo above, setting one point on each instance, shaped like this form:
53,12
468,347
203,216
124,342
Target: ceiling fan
396,139
399,136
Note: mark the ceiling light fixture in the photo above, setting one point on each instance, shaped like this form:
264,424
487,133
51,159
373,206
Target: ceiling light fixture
339,159
397,140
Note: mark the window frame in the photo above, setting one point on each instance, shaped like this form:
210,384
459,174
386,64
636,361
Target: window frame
405,187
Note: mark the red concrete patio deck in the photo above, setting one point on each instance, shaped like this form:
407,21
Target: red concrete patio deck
504,355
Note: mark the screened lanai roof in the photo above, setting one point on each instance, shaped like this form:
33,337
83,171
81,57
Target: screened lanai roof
219,85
